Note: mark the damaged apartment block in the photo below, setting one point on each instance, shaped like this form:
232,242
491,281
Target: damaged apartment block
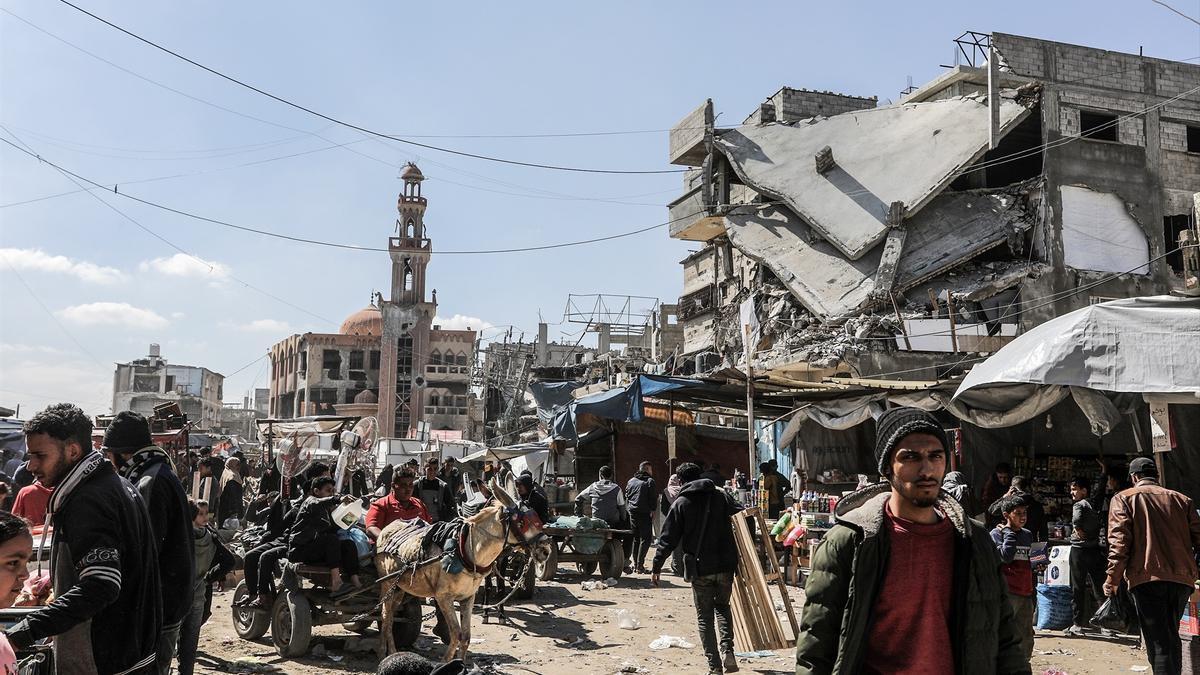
876,240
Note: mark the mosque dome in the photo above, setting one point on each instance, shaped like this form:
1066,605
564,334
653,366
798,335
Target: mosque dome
411,173
366,396
366,321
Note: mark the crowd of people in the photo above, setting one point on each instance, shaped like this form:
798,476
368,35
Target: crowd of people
907,580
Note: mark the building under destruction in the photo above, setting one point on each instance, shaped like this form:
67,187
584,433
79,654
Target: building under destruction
389,359
147,383
901,240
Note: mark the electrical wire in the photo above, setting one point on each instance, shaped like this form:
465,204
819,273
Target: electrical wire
75,178
158,236
50,314
349,125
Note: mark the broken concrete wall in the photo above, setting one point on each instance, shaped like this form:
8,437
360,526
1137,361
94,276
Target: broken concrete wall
1099,235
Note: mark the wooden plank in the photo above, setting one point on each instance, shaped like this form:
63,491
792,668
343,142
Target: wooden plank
756,623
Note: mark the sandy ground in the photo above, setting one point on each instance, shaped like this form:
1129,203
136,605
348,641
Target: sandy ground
565,629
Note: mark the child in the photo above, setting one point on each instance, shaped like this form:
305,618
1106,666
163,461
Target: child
1013,541
16,548
213,561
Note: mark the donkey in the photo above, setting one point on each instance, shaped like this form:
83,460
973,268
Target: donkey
481,543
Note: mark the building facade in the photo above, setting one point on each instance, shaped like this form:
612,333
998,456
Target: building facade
389,357
144,383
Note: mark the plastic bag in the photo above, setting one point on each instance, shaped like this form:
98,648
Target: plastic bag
667,641
627,619
1117,613
1053,607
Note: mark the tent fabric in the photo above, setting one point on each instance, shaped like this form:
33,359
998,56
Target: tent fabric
508,452
1136,345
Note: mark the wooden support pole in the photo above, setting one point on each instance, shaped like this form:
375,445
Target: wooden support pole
953,328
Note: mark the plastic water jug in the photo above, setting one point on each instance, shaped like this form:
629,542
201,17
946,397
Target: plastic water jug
346,515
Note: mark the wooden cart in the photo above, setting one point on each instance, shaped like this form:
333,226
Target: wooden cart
590,550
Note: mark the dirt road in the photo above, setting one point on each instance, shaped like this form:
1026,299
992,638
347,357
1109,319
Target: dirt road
567,630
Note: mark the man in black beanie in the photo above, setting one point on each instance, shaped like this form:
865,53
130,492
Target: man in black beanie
905,581
130,448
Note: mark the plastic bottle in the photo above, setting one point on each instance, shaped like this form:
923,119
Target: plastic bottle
781,524
794,535
346,515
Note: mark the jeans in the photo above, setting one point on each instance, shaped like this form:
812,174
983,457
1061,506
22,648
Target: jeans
1087,578
259,566
642,537
677,561
167,639
189,634
711,594
1160,606
1023,607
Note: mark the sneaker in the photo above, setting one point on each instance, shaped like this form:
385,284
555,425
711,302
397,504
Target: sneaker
729,662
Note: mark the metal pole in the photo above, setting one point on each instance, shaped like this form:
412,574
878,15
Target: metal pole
749,402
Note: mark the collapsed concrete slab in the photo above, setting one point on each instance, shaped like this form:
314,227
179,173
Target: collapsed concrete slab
954,228
903,153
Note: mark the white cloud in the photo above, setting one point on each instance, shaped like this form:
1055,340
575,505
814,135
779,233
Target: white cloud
17,348
262,326
461,322
120,314
177,315
35,380
36,260
183,265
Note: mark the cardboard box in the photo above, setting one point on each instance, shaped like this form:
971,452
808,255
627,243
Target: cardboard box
1191,654
1058,573
1190,623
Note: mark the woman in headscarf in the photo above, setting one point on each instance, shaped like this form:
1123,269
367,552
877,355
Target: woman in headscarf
230,501
674,486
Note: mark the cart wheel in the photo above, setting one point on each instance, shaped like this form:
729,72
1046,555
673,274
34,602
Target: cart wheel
406,626
249,624
547,568
587,568
291,624
616,560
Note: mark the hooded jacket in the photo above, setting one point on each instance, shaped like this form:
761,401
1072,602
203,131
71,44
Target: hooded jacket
717,552
107,611
166,502
849,565
607,499
641,493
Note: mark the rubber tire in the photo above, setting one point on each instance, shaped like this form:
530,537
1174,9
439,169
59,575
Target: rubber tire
616,560
291,611
249,624
547,568
587,568
405,633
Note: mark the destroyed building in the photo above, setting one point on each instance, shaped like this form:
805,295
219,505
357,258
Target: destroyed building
143,384
389,359
899,240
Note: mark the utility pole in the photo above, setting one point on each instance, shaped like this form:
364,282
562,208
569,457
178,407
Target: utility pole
752,449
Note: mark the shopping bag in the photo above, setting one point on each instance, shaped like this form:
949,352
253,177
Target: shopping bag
1117,613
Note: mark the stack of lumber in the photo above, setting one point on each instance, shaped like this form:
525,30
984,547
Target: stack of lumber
756,623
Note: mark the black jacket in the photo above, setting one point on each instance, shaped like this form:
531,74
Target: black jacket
166,502
107,611
718,552
313,519
641,493
437,497
536,500
230,503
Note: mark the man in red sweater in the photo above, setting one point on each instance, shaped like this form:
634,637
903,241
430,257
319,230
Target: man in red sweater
905,582
31,503
398,505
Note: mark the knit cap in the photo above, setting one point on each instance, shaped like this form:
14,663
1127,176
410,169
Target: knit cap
128,432
895,424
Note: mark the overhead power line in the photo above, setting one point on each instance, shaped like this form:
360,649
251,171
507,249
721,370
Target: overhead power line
349,125
1186,16
76,178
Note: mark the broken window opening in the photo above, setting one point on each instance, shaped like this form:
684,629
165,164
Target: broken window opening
1172,227
1098,126
1193,139
331,362
356,360
408,275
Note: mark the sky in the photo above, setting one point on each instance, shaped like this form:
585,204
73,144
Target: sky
91,278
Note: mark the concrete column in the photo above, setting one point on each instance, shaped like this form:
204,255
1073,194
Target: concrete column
605,333
543,331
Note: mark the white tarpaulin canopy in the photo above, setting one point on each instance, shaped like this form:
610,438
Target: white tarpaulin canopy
1147,346
1139,345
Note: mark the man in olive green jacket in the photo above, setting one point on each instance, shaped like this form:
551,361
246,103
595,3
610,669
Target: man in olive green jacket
905,582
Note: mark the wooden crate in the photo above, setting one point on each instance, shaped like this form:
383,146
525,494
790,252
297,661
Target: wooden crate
756,623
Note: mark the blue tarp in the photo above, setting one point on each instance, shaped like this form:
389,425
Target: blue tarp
552,396
623,405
